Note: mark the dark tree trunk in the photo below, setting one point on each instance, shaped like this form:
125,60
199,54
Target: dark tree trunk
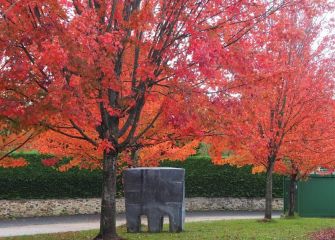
108,206
134,158
268,191
292,195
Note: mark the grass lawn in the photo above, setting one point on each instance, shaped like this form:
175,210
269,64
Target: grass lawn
283,229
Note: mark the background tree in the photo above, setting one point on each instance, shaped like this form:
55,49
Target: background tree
284,102
314,150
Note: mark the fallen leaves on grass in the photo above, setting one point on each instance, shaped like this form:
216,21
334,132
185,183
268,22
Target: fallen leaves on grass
327,234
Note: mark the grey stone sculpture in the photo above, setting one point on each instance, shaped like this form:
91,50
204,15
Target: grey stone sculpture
155,193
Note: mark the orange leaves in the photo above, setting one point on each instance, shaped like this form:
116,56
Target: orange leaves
217,147
73,163
10,162
74,81
151,156
13,138
84,154
258,169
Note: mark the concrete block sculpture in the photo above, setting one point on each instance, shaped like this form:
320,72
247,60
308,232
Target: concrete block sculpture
155,193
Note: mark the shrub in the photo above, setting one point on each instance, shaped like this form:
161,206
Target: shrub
39,181
203,179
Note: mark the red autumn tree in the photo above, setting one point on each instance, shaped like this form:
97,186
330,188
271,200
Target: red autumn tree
175,135
104,72
309,152
284,101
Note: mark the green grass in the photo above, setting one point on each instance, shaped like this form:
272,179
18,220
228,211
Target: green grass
280,229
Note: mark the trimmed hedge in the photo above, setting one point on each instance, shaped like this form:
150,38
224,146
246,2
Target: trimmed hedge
203,179
37,181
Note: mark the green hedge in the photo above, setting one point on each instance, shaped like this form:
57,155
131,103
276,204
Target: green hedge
38,181
203,179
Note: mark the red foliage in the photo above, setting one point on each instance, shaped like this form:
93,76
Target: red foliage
101,79
50,162
282,108
280,115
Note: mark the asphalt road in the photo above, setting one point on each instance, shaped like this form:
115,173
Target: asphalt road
40,225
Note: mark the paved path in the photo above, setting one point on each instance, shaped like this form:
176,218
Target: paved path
39,225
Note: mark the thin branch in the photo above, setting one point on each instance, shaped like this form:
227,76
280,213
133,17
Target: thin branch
77,5
32,60
87,138
150,125
111,17
18,147
63,133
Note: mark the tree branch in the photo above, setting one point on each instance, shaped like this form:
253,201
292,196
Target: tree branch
18,147
87,138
